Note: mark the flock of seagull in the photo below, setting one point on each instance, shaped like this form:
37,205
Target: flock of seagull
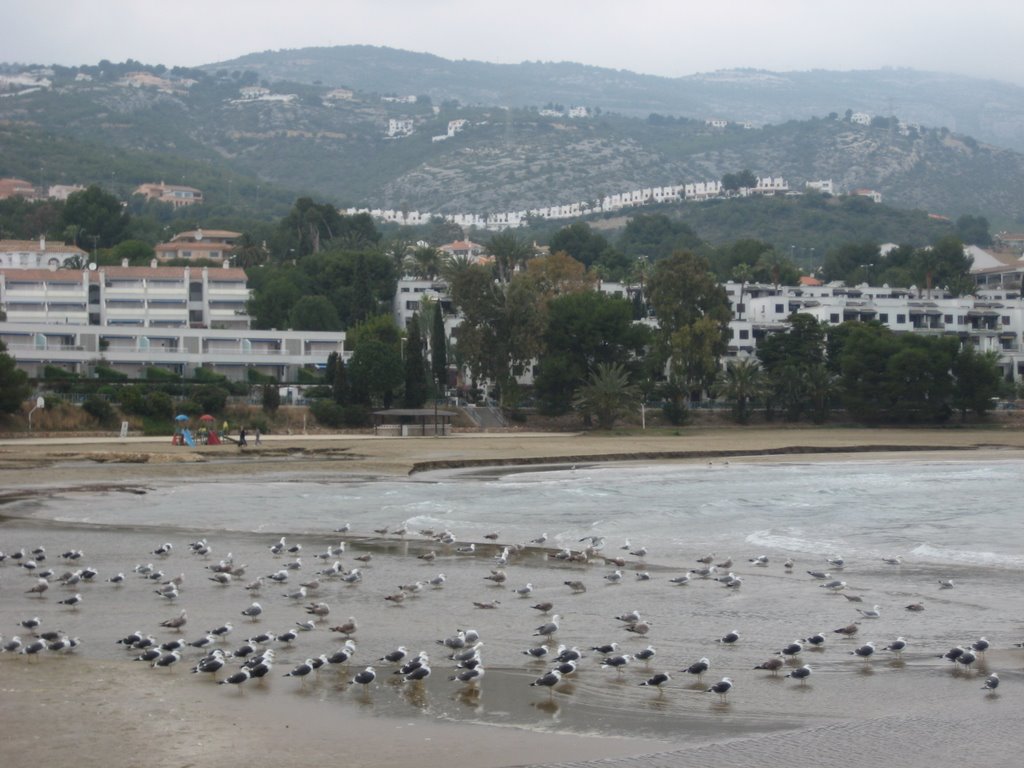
254,658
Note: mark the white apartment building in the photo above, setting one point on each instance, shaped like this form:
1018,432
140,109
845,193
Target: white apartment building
132,318
37,254
991,321
133,349
148,297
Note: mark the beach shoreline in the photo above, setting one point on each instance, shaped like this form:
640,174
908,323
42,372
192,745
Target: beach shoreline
97,712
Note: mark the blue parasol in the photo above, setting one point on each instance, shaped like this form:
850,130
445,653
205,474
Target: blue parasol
181,417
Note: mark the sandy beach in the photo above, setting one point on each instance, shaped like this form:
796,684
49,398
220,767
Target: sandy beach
99,710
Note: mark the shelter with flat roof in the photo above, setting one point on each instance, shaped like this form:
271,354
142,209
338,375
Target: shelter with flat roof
412,422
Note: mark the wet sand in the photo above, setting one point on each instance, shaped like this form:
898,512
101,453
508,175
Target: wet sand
98,708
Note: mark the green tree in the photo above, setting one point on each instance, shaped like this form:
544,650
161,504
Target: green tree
424,262
656,236
977,380
580,242
415,366
743,383
337,377
314,313
509,252
607,395
973,230
684,293
583,331
271,397
94,213
376,372
438,349
733,182
14,385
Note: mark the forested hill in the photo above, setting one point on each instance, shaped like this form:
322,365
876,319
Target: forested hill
989,110
122,124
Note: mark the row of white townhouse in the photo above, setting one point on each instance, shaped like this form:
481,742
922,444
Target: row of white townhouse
993,320
695,191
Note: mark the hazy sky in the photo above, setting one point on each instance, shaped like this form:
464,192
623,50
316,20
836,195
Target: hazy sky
662,37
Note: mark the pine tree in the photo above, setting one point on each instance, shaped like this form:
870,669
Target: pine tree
415,366
439,350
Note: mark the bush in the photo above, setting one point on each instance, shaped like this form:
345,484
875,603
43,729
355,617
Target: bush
106,373
99,409
356,415
154,373
211,399
207,376
328,413
309,376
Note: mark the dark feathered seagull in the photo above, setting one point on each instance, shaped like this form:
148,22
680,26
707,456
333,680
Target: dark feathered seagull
817,640
801,673
966,659
865,651
992,682
722,687
698,668
897,646
729,638
792,649
980,645
301,670
365,677
548,680
657,680
72,602
237,678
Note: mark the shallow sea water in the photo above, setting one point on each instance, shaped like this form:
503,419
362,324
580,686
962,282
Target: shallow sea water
945,519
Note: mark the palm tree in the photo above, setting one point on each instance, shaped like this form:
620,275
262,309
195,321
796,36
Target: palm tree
607,394
743,382
509,252
742,274
424,262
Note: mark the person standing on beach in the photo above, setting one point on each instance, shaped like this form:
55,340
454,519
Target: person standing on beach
257,435
224,427
241,437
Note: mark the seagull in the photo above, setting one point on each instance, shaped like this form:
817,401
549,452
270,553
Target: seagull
865,651
72,602
952,654
615,577
168,660
729,638
253,611
365,677
966,659
117,578
657,680
722,687
630,617
646,654
487,605
945,583
760,560
347,627
550,628
469,676
639,627
680,581
540,539
576,586
548,680
816,640
31,624
834,585
428,556
980,645
792,649
606,649
543,607
320,610
537,652
39,588
915,607
822,575
992,682
801,673
617,662
892,561
394,656
698,668
163,550
237,678
897,646
872,613
301,670
771,665
177,622
525,590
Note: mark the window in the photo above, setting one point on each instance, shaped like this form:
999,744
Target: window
741,307
744,334
834,317
901,319
947,319
780,308
884,317
960,319
1005,320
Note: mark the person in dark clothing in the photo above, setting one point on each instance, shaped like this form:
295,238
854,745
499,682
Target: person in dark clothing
241,437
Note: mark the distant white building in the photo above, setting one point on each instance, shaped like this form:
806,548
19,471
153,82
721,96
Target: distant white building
824,186
715,122
578,112
860,118
398,128
38,254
